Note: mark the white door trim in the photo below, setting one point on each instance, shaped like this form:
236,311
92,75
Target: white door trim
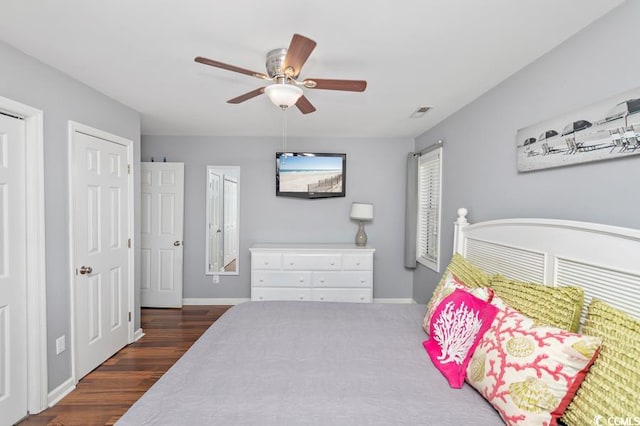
36,277
81,128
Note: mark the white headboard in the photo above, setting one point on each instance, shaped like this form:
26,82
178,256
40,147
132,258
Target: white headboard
604,260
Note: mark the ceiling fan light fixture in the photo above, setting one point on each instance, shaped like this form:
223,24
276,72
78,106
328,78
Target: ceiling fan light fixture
283,67
283,95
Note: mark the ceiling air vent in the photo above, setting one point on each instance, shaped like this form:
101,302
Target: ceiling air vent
420,112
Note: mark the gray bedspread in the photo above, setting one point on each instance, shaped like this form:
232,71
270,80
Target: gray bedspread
310,363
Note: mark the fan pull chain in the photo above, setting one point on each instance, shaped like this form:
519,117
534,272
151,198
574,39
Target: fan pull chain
284,129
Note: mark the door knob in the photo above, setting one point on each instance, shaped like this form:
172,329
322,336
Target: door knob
85,270
176,243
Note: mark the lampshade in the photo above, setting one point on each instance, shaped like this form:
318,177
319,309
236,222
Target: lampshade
362,211
283,95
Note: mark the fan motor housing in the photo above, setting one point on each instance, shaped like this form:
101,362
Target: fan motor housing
275,59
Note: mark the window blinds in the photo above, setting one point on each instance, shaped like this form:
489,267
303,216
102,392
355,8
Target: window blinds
429,191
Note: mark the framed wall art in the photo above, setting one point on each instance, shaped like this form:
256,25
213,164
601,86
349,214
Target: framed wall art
606,130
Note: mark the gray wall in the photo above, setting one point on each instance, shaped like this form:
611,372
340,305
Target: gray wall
26,80
375,174
480,148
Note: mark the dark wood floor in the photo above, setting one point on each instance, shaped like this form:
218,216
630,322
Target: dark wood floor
104,395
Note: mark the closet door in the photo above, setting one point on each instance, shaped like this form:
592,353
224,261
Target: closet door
162,203
13,278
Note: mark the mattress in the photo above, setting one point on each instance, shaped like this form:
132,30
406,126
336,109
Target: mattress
310,363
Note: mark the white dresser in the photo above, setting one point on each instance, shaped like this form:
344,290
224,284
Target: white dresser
320,272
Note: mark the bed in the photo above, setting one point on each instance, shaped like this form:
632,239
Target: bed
319,363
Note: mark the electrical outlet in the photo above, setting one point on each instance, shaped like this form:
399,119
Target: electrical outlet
60,345
216,279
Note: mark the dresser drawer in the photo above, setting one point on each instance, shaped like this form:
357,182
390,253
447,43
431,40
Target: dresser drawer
280,279
314,261
266,260
258,293
342,295
358,262
342,279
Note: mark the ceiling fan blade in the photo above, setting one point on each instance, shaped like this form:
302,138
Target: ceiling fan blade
299,50
304,105
228,67
246,96
326,84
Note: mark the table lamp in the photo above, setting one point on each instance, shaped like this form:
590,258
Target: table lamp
361,212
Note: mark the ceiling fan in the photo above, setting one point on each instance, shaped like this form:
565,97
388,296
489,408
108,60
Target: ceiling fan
283,69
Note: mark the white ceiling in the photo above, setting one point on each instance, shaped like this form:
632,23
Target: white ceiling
439,53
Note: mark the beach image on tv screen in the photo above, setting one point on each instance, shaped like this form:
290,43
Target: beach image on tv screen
310,174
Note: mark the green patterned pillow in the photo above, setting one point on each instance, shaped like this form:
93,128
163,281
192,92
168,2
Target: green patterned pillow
556,306
465,271
611,389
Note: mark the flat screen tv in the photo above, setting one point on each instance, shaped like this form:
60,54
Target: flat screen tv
310,175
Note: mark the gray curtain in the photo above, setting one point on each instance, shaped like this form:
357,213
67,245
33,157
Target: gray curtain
411,211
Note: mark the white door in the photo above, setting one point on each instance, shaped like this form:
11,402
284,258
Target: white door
162,206
13,284
216,261
101,232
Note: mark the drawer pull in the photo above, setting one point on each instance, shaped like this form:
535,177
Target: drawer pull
301,280
260,297
266,262
321,297
358,263
361,297
261,280
301,297
322,280
291,263
332,263
362,280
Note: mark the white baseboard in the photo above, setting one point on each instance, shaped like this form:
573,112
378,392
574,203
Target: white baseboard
213,301
138,334
61,391
393,300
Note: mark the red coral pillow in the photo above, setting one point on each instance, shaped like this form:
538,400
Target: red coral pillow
529,373
455,328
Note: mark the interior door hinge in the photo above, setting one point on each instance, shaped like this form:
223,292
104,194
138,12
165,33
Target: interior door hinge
129,169
129,316
129,243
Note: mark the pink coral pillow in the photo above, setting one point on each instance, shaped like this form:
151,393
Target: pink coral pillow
529,373
449,283
456,326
